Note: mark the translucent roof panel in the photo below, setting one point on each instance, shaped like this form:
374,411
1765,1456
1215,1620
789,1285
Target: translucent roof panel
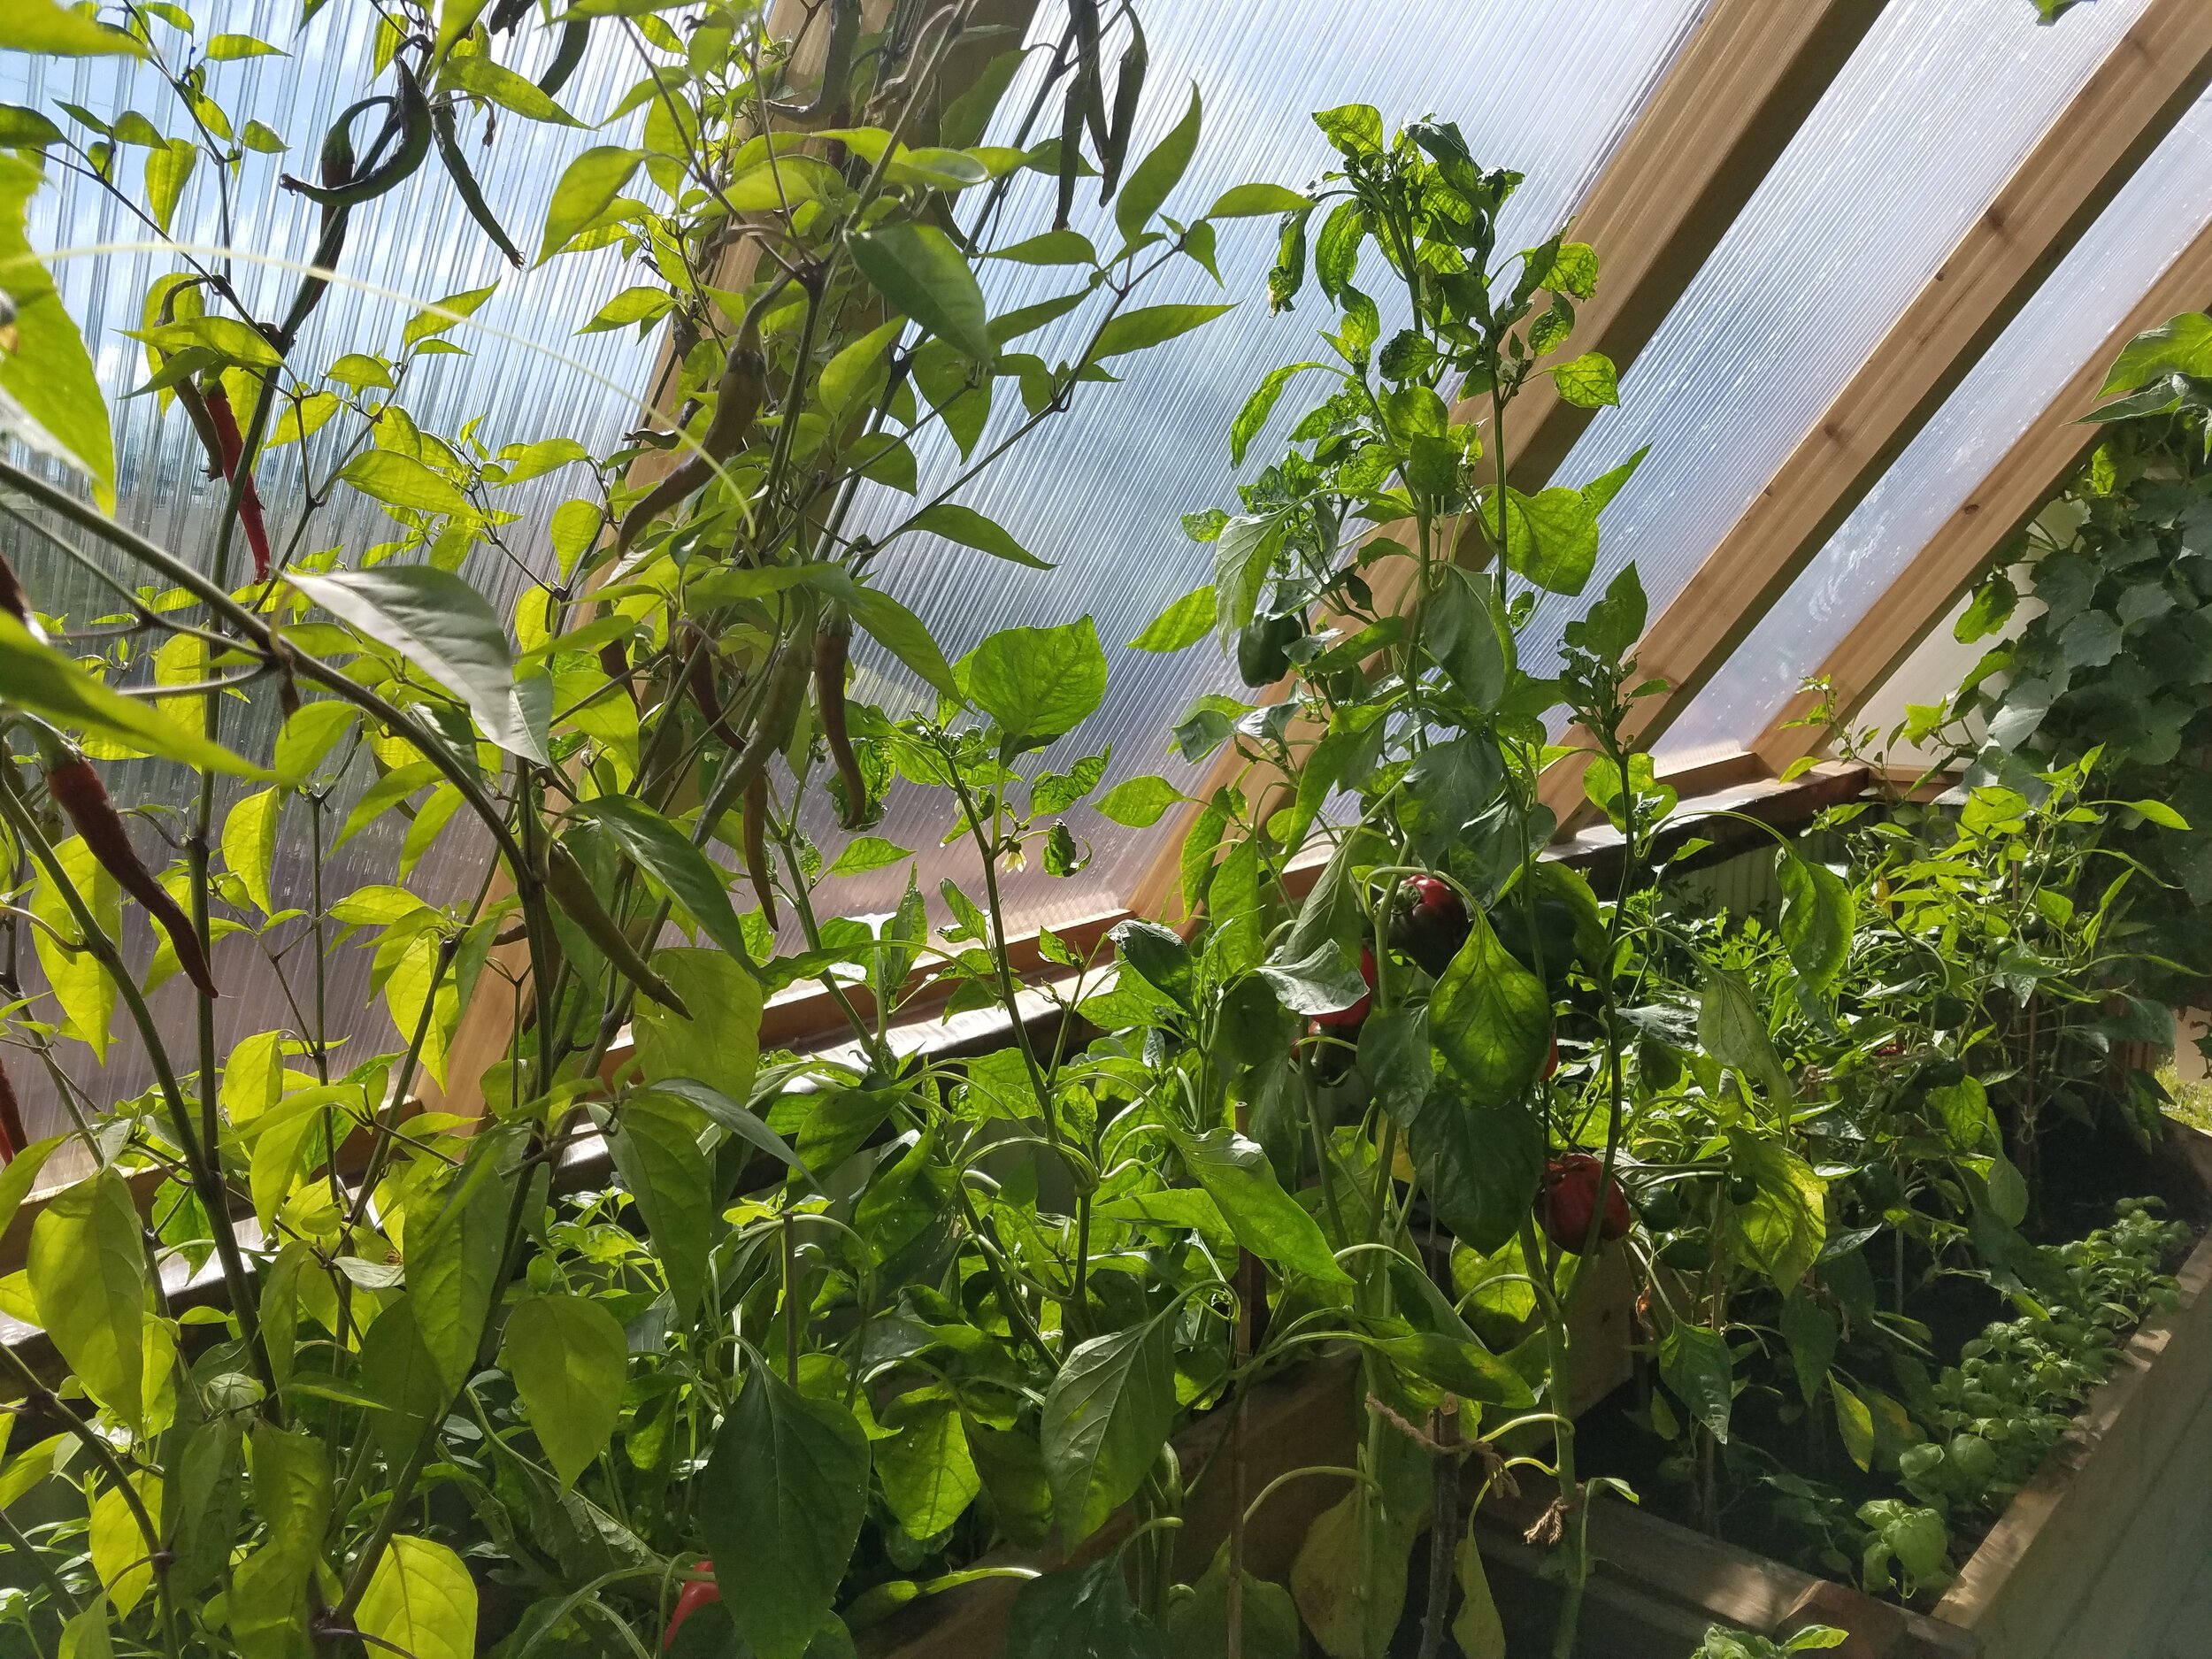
416,244
2156,215
1934,111
1541,86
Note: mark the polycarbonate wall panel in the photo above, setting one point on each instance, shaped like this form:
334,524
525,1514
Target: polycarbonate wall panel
2159,212
1545,87
1932,113
417,243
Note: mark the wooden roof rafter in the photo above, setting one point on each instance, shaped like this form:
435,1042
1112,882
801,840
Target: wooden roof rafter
2129,102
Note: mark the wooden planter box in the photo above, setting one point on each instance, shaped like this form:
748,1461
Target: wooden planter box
2102,1555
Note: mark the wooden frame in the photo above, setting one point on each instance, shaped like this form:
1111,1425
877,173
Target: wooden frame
1728,105
2015,490
2146,82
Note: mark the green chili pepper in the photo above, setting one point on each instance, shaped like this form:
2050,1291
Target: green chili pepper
1128,88
574,37
571,890
464,181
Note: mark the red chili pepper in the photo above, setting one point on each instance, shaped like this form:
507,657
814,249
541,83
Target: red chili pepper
250,519
696,1593
77,790
11,1132
1431,924
1348,1021
1570,1197
1551,1060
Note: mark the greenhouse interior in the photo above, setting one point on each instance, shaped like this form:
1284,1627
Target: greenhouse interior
1105,829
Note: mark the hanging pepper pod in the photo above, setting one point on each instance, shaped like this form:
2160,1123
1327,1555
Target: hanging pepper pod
566,57
781,700
411,114
832,645
571,890
1070,153
1128,89
736,403
1090,77
464,181
699,681
12,1138
754,840
77,790
614,660
231,452
837,68
15,603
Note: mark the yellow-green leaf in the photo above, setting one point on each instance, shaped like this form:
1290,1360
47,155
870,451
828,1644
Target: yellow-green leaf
119,1553
40,26
421,1601
250,835
87,1272
81,985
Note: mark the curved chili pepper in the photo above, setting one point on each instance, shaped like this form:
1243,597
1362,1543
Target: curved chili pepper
755,839
1128,87
13,599
699,680
837,67
1070,153
737,400
566,57
411,111
233,450
833,644
464,181
13,1139
696,1593
614,660
77,790
780,702
571,890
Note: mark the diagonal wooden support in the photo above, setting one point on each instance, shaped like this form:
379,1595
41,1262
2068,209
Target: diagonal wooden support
1729,103
2014,491
2149,80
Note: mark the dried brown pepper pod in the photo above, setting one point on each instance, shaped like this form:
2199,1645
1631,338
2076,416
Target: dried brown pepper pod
77,790
11,1130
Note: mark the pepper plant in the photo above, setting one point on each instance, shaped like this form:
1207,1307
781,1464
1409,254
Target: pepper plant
426,1395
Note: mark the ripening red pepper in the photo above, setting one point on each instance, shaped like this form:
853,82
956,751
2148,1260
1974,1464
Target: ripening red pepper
1570,1197
11,1132
77,790
1345,1022
226,423
696,1593
1432,923
1551,1061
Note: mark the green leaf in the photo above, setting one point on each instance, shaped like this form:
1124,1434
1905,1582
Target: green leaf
1083,1612
168,169
1810,1330
1138,803
26,129
589,184
2159,813
119,1545
1152,180
1853,1422
568,1357
1150,325
929,1476
87,1275
864,853
1108,1413
420,1601
84,988
36,677
1780,1231
971,528
851,372
452,1243
2183,345
1550,537
1817,917
1183,624
663,852
1480,1164
1037,684
437,317
1274,1226
903,635
50,397
1734,1031
478,74
228,48
399,1373
1587,382
1251,201
656,1149
85,1636
1257,407
1244,553
42,26
400,480
250,837
1490,1018
443,627
924,274
721,1043
1695,1364
640,305
780,1508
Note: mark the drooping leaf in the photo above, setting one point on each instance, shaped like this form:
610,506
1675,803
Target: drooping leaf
452,1242
1267,1221
443,627
929,1476
1780,1231
1480,1163
1082,1612
1107,1415
567,1356
87,1275
1695,1364
924,274
667,854
50,397
36,677
1815,917
1490,1017
719,1044
655,1149
780,1508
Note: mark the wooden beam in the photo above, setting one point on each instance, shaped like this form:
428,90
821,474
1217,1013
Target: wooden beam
1957,555
1734,95
2146,82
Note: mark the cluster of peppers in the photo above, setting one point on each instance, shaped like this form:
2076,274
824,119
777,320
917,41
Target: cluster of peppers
1430,926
